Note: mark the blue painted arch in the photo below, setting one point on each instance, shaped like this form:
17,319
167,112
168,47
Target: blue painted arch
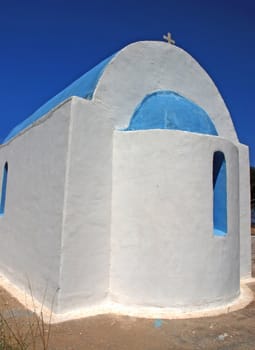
169,110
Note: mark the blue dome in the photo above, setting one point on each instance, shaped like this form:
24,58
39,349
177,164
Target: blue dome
82,87
168,110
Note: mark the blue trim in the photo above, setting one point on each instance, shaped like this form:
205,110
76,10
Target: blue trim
4,188
82,87
220,224
168,110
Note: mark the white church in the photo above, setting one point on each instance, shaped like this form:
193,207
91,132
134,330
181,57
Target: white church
128,188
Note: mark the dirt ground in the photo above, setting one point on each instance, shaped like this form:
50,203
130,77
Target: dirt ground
231,331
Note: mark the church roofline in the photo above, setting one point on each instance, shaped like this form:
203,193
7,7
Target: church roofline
82,87
123,79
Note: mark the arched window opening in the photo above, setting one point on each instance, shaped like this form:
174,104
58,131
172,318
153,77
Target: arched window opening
220,221
4,187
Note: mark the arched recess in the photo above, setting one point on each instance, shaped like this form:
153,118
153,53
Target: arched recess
4,188
220,220
169,110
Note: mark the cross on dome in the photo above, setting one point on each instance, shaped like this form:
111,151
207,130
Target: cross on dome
168,38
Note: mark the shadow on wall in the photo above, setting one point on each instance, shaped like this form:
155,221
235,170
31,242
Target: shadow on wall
252,179
4,188
253,216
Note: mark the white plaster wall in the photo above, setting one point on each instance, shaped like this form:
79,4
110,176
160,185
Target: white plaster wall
163,251
145,67
245,213
30,229
74,223
86,236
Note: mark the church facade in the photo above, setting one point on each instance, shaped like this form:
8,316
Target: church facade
128,187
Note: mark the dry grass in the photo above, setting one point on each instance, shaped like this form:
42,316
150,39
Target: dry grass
23,329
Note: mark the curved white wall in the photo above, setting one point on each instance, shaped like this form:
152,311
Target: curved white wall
163,251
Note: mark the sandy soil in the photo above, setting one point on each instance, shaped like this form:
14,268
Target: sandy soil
231,331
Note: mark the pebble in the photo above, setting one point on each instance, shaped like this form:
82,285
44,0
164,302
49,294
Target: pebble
222,336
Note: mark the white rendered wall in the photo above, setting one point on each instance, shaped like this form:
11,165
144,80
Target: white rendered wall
145,67
163,251
30,229
79,210
245,213
86,236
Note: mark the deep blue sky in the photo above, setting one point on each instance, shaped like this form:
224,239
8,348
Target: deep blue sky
45,45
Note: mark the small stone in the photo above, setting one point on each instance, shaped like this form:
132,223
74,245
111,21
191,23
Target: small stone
222,336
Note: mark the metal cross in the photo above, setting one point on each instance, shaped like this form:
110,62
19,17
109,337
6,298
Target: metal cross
169,39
